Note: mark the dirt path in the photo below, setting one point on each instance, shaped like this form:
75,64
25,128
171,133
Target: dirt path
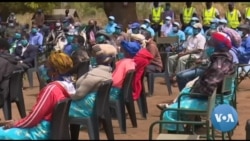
160,95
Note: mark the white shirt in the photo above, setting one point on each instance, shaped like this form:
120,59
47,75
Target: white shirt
195,42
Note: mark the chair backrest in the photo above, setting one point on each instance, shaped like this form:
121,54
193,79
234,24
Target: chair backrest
60,121
167,40
211,103
227,83
102,98
127,84
83,67
16,84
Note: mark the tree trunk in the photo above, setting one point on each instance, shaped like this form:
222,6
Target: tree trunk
124,12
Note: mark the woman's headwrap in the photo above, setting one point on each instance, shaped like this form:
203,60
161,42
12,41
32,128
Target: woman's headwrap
104,52
60,61
140,38
221,41
130,47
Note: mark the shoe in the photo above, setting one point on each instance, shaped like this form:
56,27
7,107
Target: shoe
162,106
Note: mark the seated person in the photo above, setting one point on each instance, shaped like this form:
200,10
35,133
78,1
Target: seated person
189,29
193,47
167,27
69,48
155,64
110,27
119,36
220,66
123,66
213,27
87,85
35,38
176,31
25,55
147,23
134,28
37,124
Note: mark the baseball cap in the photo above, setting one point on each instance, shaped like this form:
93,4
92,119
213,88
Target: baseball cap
143,26
112,18
194,19
168,18
147,20
176,23
215,20
134,25
223,21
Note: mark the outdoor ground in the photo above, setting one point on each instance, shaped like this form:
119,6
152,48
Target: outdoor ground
160,95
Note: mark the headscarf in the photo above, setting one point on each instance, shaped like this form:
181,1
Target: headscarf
140,38
60,61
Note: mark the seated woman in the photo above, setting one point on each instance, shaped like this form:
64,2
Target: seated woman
87,85
220,66
123,66
36,126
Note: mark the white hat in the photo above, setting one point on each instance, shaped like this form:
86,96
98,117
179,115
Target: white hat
168,18
194,19
223,21
215,20
147,20
176,23
143,26
112,18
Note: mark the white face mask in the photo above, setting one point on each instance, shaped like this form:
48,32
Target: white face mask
167,22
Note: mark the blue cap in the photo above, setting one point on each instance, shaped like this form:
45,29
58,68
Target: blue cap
134,25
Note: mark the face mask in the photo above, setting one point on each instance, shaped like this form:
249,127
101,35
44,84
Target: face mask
195,31
111,22
192,23
147,24
118,31
135,31
175,29
70,39
43,72
209,51
213,26
167,22
241,33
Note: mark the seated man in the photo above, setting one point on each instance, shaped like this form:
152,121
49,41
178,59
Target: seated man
176,32
25,55
110,27
149,28
134,28
36,38
193,48
119,36
189,29
167,27
156,64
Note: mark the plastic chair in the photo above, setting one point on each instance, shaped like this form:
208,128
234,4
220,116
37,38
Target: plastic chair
151,76
31,70
125,99
15,95
60,121
101,112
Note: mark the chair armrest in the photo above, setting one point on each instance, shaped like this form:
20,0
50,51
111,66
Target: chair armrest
151,127
190,95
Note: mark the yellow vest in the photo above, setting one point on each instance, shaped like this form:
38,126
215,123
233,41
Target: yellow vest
208,15
247,14
233,20
156,14
188,14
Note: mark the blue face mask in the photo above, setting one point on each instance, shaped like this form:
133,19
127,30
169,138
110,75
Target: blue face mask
209,51
43,73
70,39
118,31
213,26
195,31
111,22
135,30
192,23
175,29
147,24
167,22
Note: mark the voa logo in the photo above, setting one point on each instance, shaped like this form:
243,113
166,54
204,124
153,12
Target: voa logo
225,118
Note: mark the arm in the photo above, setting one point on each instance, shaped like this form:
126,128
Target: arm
44,106
162,31
40,40
239,15
32,55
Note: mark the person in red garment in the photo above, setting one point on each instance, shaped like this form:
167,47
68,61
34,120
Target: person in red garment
37,125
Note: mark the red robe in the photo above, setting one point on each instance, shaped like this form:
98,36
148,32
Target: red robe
142,59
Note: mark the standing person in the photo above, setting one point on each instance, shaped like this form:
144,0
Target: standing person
209,13
233,16
37,124
38,18
186,15
156,18
247,14
168,12
110,27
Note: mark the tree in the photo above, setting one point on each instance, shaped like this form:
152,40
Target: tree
124,12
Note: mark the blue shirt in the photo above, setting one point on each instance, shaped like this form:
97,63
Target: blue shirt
189,31
152,32
180,34
110,28
36,40
245,45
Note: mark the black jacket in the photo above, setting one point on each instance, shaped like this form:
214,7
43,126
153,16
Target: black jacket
8,65
28,56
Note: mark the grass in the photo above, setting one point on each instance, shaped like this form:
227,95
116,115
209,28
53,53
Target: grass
87,11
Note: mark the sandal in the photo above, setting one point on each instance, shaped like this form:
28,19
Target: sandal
162,106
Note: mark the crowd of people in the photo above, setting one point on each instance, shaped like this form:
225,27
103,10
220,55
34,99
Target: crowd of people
216,44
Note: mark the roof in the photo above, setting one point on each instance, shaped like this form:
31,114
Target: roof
72,12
